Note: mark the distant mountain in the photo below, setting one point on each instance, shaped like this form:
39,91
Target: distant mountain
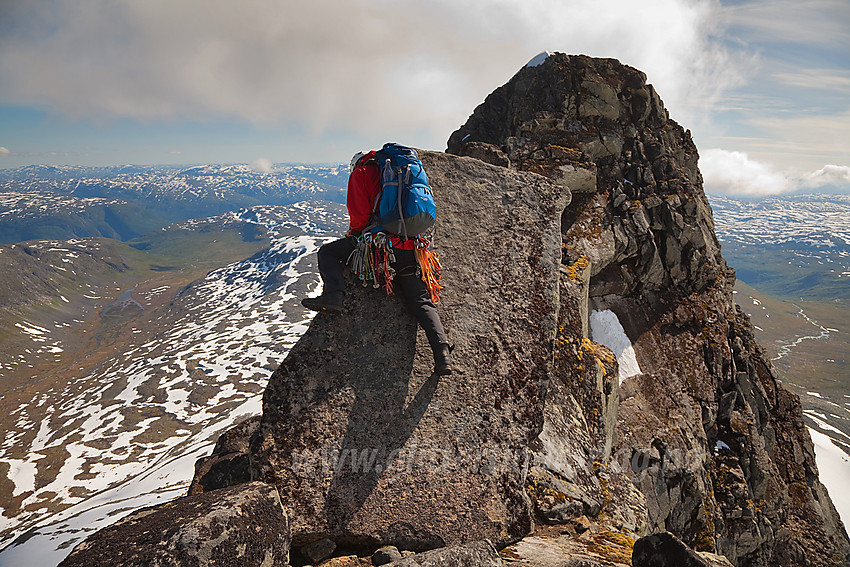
792,246
123,361
40,214
127,201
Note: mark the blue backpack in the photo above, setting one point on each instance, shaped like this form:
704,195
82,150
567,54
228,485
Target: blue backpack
405,206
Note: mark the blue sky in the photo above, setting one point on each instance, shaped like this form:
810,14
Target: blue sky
764,86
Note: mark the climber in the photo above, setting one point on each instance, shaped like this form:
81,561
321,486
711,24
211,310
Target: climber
364,184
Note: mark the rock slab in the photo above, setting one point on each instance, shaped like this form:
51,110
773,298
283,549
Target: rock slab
367,446
241,525
474,554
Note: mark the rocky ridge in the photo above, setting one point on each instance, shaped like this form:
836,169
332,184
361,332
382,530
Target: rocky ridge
699,427
568,191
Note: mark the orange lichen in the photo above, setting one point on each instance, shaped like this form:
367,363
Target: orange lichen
574,269
614,546
603,355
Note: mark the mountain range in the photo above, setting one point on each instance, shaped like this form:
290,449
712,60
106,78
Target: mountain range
128,201
795,246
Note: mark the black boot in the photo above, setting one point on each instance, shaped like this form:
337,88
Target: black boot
330,302
443,359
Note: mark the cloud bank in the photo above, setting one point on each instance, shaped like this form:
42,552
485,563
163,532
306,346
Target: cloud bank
369,66
735,173
261,165
828,175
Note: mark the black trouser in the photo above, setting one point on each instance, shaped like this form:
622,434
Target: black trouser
332,260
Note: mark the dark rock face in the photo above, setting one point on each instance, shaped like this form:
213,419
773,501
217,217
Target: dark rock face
243,525
366,445
229,463
643,232
643,219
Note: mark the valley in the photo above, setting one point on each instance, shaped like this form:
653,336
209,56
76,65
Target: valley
130,339
121,399
808,343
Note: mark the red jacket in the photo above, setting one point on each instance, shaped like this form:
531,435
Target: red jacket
364,188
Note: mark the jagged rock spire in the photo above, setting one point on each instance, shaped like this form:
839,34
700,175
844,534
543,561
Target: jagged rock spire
595,125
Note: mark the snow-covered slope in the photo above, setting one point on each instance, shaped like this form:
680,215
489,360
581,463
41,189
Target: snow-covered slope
792,245
127,433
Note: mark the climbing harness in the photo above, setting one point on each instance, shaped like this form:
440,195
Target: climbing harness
373,256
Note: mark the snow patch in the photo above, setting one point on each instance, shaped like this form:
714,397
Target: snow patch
821,422
22,473
605,329
721,446
834,468
31,329
538,59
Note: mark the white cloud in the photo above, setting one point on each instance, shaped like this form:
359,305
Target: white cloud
735,173
261,165
4,151
792,141
823,22
828,175
823,79
377,67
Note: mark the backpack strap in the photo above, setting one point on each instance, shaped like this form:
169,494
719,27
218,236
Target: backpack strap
403,181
